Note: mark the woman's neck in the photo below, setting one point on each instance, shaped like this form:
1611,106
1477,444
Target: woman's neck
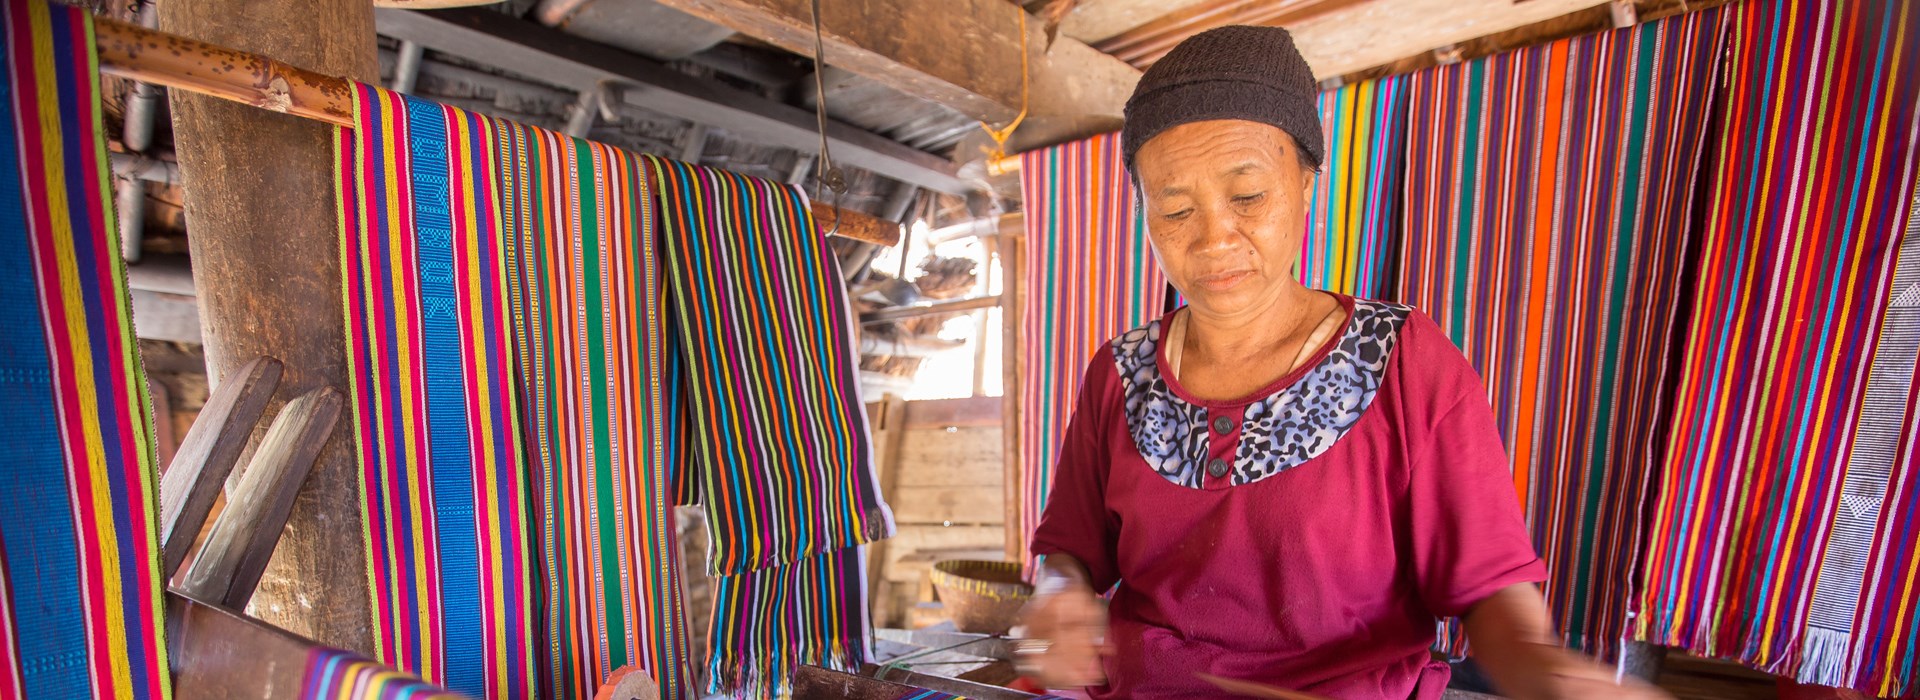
1255,333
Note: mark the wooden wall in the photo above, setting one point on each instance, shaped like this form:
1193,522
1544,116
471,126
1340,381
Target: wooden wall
940,466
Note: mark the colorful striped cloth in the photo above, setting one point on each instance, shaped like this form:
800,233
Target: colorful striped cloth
1090,275
1548,194
334,674
1353,222
780,453
1784,529
593,349
447,502
80,586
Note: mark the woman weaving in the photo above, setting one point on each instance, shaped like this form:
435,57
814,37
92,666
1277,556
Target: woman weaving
1288,486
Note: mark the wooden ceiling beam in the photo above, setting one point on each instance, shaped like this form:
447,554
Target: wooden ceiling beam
964,54
1143,45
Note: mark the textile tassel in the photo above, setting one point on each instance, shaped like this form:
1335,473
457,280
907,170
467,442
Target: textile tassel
812,612
779,448
80,589
595,355
1548,193
1824,658
1786,510
1353,222
1089,276
450,567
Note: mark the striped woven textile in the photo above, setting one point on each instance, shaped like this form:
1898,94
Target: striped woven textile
780,448
1548,193
429,331
1784,529
80,587
1353,222
593,350
334,674
1089,276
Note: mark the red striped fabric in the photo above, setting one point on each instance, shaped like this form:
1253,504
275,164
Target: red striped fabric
1090,275
81,595
1548,191
1784,531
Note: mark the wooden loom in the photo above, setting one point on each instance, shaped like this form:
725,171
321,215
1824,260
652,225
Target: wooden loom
150,56
214,650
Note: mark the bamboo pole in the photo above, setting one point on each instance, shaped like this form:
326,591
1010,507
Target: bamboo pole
150,56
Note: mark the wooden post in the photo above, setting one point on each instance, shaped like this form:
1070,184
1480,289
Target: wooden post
889,418
266,253
1012,250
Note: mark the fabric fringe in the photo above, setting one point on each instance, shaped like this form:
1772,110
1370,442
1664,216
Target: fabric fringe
1823,657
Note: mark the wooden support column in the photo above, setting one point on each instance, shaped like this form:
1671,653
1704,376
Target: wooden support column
265,244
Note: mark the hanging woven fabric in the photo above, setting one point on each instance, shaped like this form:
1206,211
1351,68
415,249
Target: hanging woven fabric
780,448
1785,530
1353,225
1089,276
80,585
429,340
593,352
1547,198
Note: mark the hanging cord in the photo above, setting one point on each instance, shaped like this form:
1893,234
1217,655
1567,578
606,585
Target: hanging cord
1001,135
826,173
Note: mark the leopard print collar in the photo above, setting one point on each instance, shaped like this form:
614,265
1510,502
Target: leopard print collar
1277,432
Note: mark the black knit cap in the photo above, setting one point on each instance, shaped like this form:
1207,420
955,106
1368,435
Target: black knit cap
1239,72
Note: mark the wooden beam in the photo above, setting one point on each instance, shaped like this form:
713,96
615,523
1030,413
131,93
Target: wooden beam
219,434
1012,252
248,530
888,417
221,654
1143,45
940,307
940,414
964,54
1591,20
556,57
266,254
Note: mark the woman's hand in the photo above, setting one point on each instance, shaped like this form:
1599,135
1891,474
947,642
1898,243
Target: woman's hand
1065,629
1579,679
1513,640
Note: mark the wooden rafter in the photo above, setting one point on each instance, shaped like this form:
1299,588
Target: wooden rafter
1143,45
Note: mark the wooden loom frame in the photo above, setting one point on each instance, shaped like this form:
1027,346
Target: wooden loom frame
151,56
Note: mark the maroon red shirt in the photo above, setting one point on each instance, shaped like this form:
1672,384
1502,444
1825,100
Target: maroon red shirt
1308,536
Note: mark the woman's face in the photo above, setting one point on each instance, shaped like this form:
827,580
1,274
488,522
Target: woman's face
1226,204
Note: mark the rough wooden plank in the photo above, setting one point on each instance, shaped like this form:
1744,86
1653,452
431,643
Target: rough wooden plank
219,435
968,505
972,412
266,268
1595,18
1094,21
1370,34
964,54
1143,45
248,530
961,457
219,654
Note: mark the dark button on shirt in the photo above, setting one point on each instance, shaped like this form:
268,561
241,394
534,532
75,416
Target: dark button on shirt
1217,467
1222,425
